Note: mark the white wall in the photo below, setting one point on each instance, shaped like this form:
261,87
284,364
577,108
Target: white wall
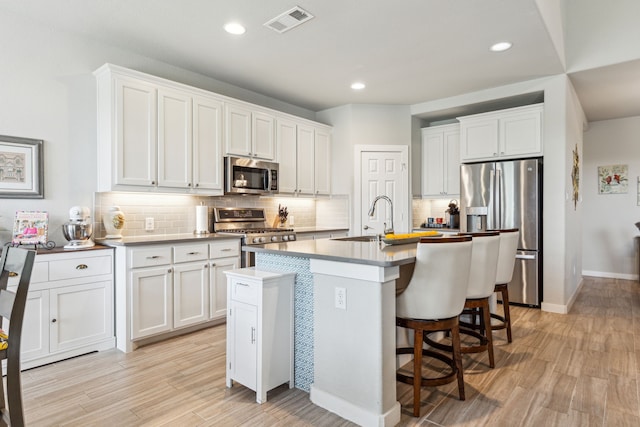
362,124
47,91
609,248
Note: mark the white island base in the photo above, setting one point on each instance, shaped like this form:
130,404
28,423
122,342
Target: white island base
354,347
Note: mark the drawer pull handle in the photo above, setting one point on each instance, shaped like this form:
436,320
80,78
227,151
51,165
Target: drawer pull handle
13,274
82,267
54,320
225,250
242,284
153,257
253,335
193,253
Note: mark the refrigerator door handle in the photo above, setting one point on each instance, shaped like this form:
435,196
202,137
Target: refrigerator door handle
491,217
521,256
498,200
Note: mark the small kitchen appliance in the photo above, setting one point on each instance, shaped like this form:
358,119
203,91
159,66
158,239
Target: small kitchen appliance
250,224
79,229
249,176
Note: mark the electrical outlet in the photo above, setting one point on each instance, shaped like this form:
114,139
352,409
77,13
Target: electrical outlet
149,224
291,220
341,298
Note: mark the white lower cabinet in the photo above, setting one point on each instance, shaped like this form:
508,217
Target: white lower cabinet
164,288
69,309
260,329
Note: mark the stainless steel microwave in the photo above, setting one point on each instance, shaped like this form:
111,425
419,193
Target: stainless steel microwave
249,176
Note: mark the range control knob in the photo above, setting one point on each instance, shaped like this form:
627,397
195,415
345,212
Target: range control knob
292,237
262,239
256,240
274,238
285,238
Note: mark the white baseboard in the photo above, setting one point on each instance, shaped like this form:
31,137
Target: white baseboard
563,308
610,275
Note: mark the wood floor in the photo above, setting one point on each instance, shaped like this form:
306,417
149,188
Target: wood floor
579,369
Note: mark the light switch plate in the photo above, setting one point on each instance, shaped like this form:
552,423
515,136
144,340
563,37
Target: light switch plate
149,224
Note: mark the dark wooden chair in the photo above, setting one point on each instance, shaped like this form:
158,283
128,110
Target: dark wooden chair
16,264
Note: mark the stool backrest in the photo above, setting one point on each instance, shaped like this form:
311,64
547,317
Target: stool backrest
507,255
484,263
438,286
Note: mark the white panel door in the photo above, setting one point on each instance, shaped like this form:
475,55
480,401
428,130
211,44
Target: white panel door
151,301
207,144
305,160
263,136
322,161
286,137
218,286
136,133
237,130
451,162
80,314
243,325
174,139
190,293
382,174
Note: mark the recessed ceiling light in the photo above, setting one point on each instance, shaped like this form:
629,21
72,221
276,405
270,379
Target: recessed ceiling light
234,28
500,47
358,86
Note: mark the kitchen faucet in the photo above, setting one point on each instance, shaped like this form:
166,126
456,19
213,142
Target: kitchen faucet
372,210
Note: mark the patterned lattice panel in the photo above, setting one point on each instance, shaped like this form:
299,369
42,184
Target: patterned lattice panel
303,311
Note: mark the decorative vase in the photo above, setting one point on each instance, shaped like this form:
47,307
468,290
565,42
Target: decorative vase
113,222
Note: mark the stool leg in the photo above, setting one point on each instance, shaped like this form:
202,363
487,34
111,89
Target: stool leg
487,330
457,357
507,315
417,370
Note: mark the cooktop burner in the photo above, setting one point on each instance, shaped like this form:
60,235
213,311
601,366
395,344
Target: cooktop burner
251,222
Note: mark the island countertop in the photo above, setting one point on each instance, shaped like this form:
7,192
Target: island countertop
163,239
371,253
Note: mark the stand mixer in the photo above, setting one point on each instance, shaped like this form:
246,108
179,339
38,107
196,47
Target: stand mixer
79,229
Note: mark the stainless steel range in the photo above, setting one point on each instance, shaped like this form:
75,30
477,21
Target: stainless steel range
251,223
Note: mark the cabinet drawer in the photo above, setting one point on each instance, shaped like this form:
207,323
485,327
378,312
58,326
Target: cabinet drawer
80,267
224,248
190,253
244,291
40,273
149,257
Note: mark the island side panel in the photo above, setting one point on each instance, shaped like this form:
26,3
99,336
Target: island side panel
303,312
355,359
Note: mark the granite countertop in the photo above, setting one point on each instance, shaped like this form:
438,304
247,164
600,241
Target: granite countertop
163,238
372,253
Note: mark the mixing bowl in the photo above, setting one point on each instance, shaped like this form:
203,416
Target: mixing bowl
77,230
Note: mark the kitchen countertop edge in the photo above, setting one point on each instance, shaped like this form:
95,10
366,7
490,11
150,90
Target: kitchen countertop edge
163,239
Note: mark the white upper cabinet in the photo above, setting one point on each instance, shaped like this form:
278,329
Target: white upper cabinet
441,161
175,147
207,144
303,156
130,129
249,133
511,133
154,134
322,161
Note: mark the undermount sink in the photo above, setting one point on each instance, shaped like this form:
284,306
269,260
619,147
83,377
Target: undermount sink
357,239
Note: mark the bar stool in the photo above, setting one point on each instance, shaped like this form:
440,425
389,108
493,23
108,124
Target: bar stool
432,302
504,274
482,279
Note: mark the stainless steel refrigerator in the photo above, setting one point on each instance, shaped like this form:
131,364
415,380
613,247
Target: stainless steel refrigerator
508,194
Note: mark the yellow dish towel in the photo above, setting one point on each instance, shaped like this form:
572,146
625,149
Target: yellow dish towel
410,235
4,340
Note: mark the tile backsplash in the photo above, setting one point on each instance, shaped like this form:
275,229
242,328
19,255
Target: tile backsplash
425,208
175,214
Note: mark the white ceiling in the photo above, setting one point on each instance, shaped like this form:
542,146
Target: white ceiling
406,51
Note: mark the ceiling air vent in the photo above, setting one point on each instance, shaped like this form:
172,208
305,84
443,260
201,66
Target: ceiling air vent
289,19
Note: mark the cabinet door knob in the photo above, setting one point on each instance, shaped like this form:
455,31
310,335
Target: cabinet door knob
54,320
82,267
153,183
213,264
206,266
197,185
189,185
169,271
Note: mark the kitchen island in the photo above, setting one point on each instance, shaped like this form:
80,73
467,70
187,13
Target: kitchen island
345,335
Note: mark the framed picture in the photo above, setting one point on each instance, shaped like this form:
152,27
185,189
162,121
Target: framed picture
30,228
613,179
21,168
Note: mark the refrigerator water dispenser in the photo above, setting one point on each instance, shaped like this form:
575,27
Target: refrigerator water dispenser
477,218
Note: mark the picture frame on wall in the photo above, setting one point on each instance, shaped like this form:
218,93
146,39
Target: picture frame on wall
613,179
30,228
21,168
